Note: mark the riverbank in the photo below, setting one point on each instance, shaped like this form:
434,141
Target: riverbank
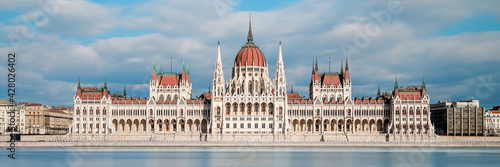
256,144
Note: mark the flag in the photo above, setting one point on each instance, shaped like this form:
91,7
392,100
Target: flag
172,59
330,60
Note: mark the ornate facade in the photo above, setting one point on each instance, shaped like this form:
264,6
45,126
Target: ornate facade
250,102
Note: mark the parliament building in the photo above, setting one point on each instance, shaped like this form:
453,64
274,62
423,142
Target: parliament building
252,106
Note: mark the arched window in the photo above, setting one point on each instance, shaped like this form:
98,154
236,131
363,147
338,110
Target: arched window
324,97
411,110
280,111
271,108
425,110
218,110
397,110
339,97
331,97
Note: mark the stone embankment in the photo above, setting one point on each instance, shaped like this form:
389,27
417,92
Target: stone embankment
256,141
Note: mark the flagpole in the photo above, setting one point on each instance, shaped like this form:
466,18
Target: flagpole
171,60
329,64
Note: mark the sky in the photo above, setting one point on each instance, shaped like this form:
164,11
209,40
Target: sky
453,44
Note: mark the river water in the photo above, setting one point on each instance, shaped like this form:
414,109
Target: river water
251,156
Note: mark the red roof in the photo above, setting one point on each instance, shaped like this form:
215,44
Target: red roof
293,96
52,110
33,104
250,55
495,112
207,96
329,80
409,95
170,80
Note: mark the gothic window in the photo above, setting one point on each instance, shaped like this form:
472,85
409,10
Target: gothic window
263,107
397,110
324,97
411,110
271,108
280,111
256,107
249,110
218,110
404,110
425,110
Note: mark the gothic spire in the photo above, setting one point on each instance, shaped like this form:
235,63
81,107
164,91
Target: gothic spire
346,64
292,89
316,63
159,66
183,65
105,84
280,57
378,92
396,84
187,68
423,83
79,86
250,36
124,91
154,64
209,89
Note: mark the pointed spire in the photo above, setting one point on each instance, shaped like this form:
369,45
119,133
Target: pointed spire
124,91
292,89
378,92
280,57
250,36
183,65
316,62
209,89
105,84
154,64
342,67
159,66
79,86
396,84
346,64
218,54
423,83
187,68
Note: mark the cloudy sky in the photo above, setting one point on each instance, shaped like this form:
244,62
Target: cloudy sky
454,44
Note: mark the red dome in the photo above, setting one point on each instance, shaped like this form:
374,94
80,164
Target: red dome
250,55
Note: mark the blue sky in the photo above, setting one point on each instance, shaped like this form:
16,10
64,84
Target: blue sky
453,44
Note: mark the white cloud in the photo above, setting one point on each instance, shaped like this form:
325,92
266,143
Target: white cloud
190,29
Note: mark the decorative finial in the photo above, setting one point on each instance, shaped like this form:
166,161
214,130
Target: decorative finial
250,36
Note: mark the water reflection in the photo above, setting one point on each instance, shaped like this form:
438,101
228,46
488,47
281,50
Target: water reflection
254,156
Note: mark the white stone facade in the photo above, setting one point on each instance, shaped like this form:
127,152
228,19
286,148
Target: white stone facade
251,103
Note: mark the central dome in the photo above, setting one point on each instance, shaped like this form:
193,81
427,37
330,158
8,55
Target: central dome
250,54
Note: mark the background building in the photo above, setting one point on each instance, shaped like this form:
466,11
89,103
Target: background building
492,121
34,118
461,118
5,117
